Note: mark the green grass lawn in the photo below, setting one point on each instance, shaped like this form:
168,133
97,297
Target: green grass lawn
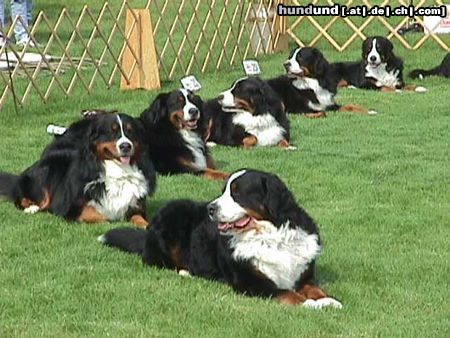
378,186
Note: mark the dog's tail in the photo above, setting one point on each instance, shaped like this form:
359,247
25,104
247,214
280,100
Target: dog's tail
421,73
8,185
126,239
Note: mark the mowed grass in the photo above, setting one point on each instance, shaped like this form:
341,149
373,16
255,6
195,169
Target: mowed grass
378,187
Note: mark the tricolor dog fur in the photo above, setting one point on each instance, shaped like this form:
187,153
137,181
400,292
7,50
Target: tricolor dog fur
248,114
175,131
97,171
310,85
254,237
442,70
379,68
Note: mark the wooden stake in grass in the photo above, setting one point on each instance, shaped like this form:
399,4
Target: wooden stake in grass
139,59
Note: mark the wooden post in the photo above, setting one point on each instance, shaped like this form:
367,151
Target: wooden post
145,74
280,38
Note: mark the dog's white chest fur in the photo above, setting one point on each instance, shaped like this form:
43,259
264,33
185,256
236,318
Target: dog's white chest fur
282,255
124,186
196,146
265,127
383,77
325,97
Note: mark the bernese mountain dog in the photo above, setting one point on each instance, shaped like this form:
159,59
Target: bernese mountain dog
379,68
310,85
254,237
442,70
97,171
248,114
175,134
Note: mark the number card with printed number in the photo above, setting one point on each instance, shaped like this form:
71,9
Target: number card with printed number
251,67
191,83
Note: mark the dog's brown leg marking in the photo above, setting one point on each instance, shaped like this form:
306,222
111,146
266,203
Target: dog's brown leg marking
290,298
310,291
249,141
46,201
410,88
342,83
317,115
387,89
177,257
284,144
210,162
211,174
90,215
353,108
207,133
139,221
208,173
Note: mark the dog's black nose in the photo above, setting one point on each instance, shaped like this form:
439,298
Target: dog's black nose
287,64
373,58
125,147
194,113
211,209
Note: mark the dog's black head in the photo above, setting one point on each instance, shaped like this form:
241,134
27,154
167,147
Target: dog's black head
251,196
179,108
116,137
252,95
306,62
377,50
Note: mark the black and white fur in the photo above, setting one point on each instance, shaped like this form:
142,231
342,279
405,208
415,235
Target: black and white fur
175,134
250,108
379,69
254,237
97,171
310,85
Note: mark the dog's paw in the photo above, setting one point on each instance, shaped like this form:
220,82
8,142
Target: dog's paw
420,89
32,209
398,91
372,112
184,273
211,144
291,148
351,87
322,303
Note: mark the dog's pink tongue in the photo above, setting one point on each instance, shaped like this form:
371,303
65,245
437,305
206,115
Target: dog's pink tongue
125,160
242,222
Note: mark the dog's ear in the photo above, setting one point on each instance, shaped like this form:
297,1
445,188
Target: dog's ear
266,100
157,110
321,64
278,199
389,47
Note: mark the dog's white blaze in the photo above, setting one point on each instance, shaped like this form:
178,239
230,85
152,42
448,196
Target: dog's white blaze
383,77
265,128
125,185
294,65
281,254
123,139
228,97
188,105
374,52
227,209
196,146
325,97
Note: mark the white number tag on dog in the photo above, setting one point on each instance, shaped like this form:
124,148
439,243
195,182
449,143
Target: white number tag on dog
191,83
251,67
